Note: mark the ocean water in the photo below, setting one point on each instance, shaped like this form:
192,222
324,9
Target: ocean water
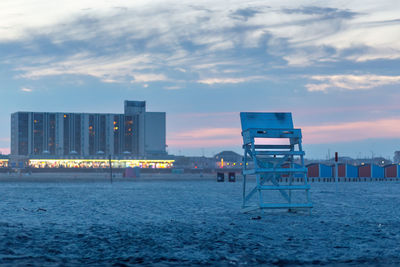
194,223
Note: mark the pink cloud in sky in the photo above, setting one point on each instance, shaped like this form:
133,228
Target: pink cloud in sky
320,134
351,131
209,132
206,137
4,150
204,143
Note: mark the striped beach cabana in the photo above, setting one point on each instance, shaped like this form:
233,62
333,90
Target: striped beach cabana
347,171
392,171
295,175
371,171
319,170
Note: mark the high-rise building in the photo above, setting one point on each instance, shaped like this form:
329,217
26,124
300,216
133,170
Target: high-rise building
136,133
396,158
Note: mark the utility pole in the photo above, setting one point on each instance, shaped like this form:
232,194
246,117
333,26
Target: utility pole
336,170
111,178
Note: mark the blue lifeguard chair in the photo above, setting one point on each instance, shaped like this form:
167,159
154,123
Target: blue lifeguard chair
270,161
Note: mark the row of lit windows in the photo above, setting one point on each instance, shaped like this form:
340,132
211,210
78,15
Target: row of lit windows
91,127
81,163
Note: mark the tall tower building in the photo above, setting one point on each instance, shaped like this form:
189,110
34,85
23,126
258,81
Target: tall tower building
137,109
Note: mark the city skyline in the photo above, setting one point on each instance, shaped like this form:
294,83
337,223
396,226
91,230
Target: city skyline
333,65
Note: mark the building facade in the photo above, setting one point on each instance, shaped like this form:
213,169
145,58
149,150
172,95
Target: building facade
396,158
135,134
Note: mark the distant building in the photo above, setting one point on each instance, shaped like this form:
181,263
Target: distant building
229,156
135,134
3,161
396,158
194,162
228,159
380,161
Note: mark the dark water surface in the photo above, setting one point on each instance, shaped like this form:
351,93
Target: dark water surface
194,222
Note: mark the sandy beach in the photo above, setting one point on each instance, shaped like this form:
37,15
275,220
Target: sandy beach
192,222
101,177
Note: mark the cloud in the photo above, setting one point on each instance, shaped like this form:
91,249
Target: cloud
209,132
205,137
199,42
324,12
211,81
350,82
106,80
25,89
173,87
144,78
370,53
245,13
203,143
309,28
19,17
109,69
4,150
312,134
351,131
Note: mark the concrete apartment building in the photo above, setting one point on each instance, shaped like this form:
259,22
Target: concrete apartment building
134,134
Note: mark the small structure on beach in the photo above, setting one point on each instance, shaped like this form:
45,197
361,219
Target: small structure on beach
347,171
392,171
297,175
318,170
371,171
220,177
269,158
132,172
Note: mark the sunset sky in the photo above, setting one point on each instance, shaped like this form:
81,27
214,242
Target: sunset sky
333,64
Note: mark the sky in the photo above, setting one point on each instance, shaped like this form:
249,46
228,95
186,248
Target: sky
333,64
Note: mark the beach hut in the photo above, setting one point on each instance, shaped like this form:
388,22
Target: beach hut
295,175
132,172
317,170
371,171
392,171
347,171
313,170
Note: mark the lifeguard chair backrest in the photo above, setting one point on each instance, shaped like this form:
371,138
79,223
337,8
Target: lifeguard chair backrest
266,120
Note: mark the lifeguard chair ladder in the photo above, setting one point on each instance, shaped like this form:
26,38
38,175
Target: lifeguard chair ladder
273,163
